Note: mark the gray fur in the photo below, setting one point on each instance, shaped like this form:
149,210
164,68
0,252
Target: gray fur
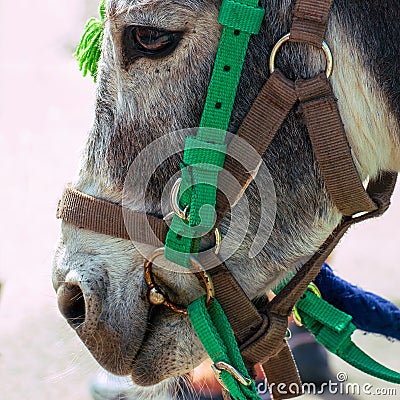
139,102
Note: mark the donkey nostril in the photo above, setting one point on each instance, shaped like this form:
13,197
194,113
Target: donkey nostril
71,303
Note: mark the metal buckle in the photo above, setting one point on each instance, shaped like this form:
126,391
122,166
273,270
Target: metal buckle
217,233
176,210
220,366
157,297
295,313
325,48
182,214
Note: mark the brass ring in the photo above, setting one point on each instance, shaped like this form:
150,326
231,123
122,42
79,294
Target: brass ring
284,39
296,317
217,233
157,297
182,214
312,287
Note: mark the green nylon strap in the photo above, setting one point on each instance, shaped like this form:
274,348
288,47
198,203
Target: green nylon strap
241,16
197,151
205,154
214,331
333,329
204,157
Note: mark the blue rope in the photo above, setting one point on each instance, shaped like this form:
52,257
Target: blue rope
370,312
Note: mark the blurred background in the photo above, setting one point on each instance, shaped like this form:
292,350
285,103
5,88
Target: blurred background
45,113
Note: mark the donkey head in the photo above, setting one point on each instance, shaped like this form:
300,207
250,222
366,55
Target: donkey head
157,59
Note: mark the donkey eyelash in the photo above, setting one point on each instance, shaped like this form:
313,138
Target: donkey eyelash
149,42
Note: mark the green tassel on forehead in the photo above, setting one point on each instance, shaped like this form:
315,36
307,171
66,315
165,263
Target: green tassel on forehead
88,51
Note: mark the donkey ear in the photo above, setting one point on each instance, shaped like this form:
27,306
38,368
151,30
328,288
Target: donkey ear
88,51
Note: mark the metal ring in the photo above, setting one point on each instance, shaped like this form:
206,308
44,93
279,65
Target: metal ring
325,48
182,214
312,287
296,317
217,232
158,297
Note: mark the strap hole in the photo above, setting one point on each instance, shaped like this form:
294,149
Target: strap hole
218,105
227,68
236,32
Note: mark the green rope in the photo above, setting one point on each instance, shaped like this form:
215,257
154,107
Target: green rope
88,52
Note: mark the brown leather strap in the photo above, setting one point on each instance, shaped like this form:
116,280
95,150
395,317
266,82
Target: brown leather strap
242,314
266,115
310,21
331,147
111,219
281,370
381,191
326,131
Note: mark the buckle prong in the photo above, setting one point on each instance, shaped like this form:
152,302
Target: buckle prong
220,366
182,214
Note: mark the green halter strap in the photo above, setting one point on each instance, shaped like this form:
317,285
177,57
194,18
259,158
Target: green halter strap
333,329
204,154
204,157
215,333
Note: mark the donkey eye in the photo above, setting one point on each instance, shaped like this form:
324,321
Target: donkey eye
150,42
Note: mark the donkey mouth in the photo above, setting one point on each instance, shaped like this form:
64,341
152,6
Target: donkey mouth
169,349
153,351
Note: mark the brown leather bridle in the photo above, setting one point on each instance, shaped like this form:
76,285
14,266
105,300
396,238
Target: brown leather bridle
261,332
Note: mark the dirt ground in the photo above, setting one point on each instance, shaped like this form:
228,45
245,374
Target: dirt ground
45,112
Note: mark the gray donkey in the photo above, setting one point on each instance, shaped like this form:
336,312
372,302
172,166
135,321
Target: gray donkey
156,64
